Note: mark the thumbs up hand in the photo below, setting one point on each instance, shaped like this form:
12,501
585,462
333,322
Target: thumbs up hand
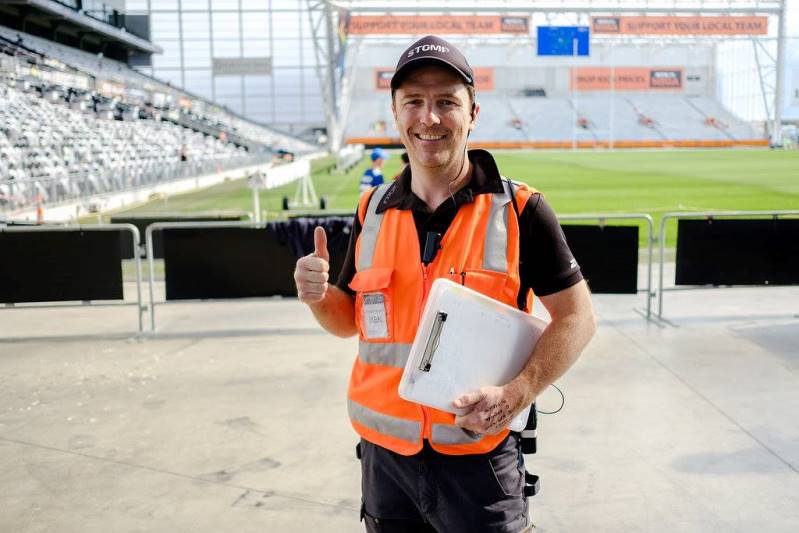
320,243
311,272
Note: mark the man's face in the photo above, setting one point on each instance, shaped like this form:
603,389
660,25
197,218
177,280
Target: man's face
432,110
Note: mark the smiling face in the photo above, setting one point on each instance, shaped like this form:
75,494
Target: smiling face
433,112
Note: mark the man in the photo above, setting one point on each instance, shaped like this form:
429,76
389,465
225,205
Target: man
424,470
373,177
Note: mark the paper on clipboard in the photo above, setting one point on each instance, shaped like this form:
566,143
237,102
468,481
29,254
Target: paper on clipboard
465,341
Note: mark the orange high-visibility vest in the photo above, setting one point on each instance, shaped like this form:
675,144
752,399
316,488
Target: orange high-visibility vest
481,250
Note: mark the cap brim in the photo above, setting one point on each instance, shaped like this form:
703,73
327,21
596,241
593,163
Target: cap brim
421,61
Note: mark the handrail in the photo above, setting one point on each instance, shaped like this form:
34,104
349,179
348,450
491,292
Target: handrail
91,227
170,225
25,192
601,217
699,214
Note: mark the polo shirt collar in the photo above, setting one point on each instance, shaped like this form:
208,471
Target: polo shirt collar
485,179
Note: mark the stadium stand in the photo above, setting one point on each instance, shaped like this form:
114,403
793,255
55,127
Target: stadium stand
74,124
658,117
710,108
102,68
529,102
501,124
547,119
50,152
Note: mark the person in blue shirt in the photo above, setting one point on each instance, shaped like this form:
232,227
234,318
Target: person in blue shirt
373,177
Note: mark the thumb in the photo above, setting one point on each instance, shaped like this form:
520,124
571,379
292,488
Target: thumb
468,399
320,243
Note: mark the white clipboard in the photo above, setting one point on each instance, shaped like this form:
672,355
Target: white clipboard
465,341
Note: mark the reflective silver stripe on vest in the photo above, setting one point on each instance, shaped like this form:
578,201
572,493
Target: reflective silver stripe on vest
400,428
371,228
451,434
388,354
495,254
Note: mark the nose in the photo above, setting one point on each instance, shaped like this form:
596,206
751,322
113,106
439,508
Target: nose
430,118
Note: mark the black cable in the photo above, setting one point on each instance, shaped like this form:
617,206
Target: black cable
463,164
562,403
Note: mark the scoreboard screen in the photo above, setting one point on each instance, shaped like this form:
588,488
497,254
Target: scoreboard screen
560,40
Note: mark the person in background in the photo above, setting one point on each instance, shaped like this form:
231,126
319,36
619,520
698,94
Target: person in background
373,177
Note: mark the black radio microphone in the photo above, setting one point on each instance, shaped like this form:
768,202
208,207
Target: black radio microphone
432,242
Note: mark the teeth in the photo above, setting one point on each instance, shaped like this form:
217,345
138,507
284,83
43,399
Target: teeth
430,137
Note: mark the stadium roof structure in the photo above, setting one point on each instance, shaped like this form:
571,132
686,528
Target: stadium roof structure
330,40
106,26
565,6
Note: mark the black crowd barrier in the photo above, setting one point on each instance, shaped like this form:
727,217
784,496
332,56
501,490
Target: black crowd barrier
607,255
241,262
59,266
204,263
141,223
245,262
737,252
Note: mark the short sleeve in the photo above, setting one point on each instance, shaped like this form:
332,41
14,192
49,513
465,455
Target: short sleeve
547,263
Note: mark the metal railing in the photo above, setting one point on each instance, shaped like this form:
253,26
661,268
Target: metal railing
158,226
98,227
704,214
172,225
25,193
601,218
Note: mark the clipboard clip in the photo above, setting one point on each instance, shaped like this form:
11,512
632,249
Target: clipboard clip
432,341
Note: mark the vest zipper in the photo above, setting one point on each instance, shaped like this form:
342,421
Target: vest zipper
426,429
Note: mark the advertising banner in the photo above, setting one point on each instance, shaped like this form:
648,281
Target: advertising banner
626,78
241,66
383,78
109,88
436,24
483,79
55,77
677,25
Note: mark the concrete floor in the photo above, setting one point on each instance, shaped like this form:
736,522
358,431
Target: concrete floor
232,418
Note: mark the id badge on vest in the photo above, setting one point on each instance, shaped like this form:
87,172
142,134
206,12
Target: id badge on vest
374,317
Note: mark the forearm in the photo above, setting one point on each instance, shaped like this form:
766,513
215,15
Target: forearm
490,409
556,351
336,312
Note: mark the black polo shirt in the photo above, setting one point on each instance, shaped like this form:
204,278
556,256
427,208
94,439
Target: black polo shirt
546,262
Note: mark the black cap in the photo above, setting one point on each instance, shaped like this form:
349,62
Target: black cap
431,50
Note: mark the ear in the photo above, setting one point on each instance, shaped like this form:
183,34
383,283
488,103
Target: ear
475,112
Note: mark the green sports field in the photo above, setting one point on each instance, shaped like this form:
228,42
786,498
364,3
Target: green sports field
653,182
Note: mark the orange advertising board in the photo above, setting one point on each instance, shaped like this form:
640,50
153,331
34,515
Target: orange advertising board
436,24
677,25
383,78
483,78
626,78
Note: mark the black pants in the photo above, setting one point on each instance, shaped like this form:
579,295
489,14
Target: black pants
435,493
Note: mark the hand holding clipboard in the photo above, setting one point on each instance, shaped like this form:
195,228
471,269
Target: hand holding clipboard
468,343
